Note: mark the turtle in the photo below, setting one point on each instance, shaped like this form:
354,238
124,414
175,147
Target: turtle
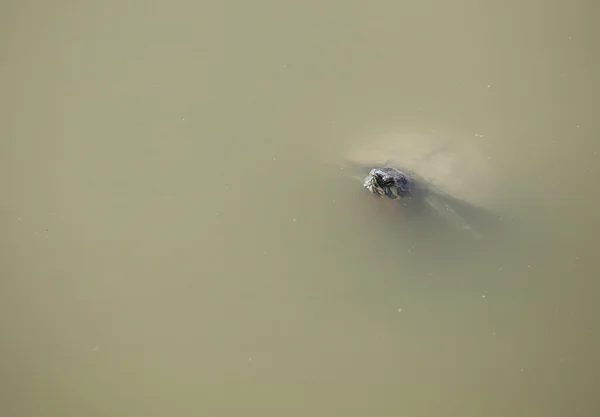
431,176
419,197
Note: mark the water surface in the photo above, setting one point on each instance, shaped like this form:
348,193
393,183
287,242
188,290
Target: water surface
178,238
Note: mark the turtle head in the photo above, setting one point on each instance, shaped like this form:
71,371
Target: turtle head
388,182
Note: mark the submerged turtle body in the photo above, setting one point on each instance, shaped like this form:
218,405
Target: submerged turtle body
419,197
449,180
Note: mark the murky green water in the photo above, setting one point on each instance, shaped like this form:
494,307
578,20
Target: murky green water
179,237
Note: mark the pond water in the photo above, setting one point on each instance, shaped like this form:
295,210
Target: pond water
180,238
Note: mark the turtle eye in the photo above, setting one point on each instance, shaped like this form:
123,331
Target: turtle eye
386,181
379,180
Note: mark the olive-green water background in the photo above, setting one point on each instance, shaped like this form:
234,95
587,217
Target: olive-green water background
178,238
